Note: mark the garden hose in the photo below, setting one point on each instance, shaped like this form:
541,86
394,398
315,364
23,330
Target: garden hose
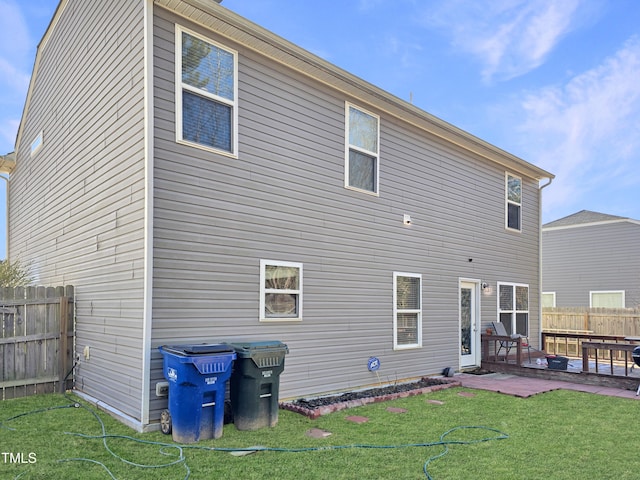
181,459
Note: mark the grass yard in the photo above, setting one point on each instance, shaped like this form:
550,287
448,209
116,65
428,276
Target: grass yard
556,435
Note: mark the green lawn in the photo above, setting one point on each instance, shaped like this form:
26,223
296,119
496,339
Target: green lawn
556,435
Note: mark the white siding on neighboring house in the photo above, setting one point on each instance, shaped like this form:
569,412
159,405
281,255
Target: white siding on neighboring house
77,202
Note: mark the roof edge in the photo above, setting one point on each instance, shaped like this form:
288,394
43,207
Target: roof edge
7,163
591,224
269,44
45,38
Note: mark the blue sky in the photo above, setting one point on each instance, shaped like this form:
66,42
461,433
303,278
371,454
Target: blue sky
555,82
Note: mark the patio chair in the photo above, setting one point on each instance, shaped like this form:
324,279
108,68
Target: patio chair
498,327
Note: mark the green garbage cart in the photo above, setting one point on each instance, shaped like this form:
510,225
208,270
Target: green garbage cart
255,383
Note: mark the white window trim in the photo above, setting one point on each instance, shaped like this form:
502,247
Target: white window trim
348,146
553,294
179,86
591,292
37,143
263,291
507,202
515,311
396,311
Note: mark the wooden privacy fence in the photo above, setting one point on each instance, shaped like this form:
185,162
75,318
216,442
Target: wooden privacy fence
36,340
564,329
599,321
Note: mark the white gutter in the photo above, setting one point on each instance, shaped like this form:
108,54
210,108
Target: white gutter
148,213
540,259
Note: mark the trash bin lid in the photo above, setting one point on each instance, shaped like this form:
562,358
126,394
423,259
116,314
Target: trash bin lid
249,349
198,349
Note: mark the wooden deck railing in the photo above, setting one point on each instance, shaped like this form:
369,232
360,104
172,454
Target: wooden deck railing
604,349
491,346
569,343
625,348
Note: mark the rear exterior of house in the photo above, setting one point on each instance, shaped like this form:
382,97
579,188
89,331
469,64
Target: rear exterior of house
244,189
591,259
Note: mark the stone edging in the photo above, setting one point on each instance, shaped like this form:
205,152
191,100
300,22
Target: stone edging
314,413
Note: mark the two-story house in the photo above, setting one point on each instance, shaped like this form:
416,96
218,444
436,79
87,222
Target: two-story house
591,259
199,178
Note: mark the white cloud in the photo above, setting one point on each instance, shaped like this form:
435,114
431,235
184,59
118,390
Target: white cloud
14,34
403,51
13,78
508,37
585,131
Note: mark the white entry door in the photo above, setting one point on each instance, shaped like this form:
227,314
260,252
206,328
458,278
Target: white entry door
469,325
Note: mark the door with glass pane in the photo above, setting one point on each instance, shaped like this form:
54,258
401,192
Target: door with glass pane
469,325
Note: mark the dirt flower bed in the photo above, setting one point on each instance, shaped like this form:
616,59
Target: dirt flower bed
315,407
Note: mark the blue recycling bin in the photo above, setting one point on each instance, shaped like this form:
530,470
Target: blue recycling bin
197,376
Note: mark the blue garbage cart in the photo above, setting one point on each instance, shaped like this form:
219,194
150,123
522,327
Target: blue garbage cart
197,376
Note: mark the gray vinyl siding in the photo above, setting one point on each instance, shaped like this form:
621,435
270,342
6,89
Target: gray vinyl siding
77,206
581,259
284,199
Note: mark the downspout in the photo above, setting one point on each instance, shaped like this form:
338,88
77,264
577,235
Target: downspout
540,259
6,216
148,216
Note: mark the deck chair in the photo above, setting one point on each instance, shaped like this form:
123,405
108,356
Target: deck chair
498,327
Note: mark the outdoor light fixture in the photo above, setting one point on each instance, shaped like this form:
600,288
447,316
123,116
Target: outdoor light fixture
486,288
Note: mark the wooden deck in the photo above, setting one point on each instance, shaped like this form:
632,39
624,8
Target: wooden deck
583,370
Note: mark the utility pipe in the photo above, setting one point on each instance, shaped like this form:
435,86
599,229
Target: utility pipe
540,259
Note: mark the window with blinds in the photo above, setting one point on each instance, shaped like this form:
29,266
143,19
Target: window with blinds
206,98
513,202
362,158
607,299
513,307
407,311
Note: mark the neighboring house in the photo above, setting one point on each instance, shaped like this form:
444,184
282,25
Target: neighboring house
591,259
199,179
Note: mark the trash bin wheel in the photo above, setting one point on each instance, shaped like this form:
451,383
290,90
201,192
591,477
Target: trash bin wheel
165,422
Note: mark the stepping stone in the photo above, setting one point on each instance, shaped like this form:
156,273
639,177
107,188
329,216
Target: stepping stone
435,402
317,433
357,419
466,394
247,451
396,410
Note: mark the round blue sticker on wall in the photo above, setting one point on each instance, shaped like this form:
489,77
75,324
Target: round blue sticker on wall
373,364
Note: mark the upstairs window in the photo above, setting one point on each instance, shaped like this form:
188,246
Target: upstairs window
407,310
607,299
548,299
513,203
362,163
280,290
206,93
36,144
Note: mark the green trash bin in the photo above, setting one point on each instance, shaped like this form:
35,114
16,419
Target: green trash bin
255,383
